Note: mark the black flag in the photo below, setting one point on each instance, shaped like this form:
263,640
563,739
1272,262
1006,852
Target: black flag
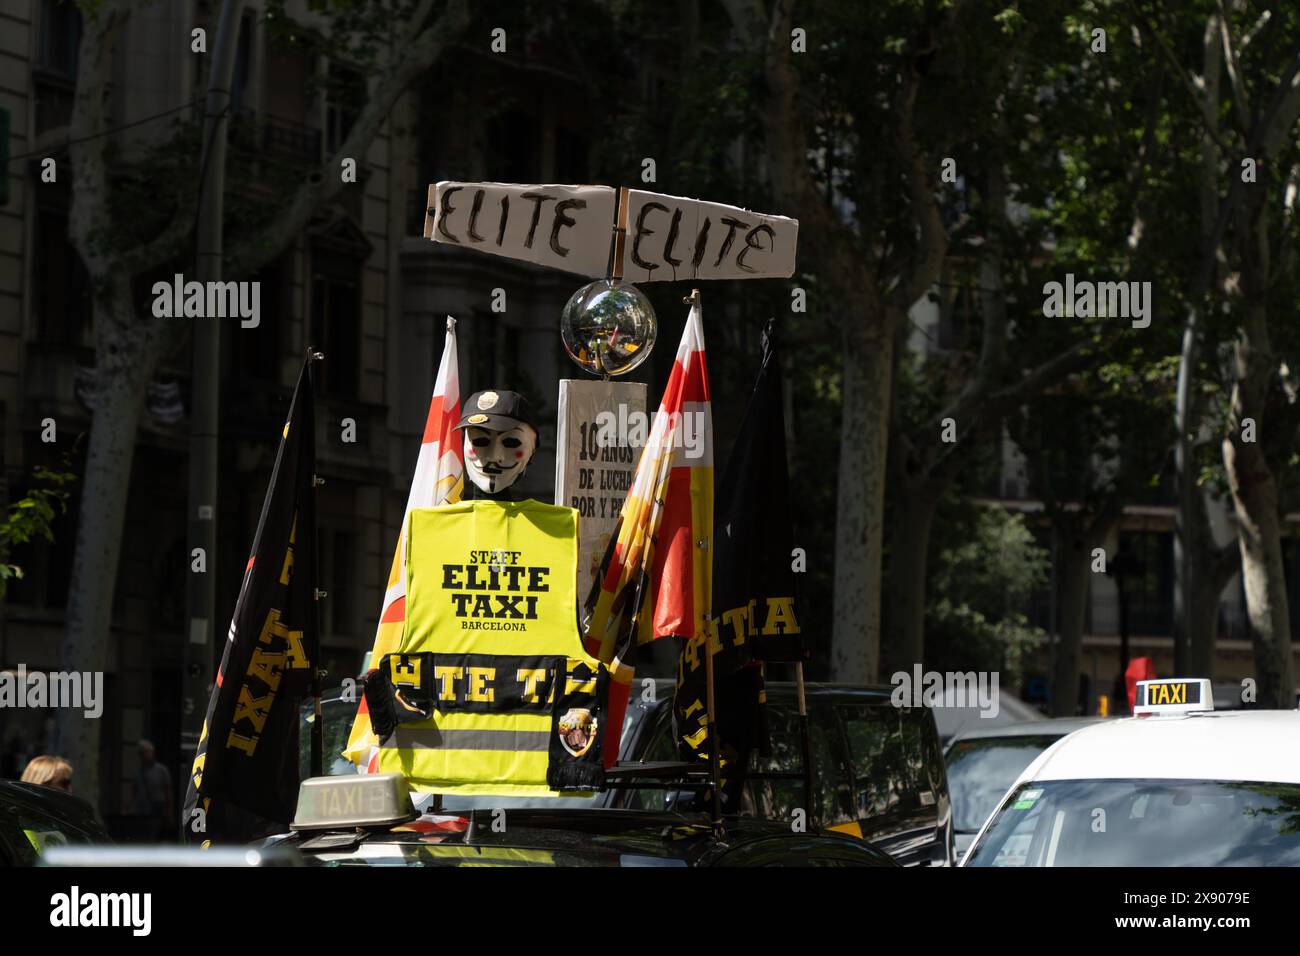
245,777
753,587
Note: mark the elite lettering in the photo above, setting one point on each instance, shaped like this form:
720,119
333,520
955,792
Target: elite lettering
446,678
558,217
507,588
530,677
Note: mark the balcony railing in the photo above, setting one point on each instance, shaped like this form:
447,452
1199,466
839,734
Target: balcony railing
276,139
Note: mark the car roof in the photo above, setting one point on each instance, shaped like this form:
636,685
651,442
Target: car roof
1030,728
50,802
574,836
952,721
1258,745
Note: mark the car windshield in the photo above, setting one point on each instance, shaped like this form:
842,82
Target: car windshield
981,769
1144,823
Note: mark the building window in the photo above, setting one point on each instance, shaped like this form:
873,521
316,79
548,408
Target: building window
336,322
571,156
337,570
61,285
346,91
240,82
47,565
1149,586
514,146
54,78
60,37
256,350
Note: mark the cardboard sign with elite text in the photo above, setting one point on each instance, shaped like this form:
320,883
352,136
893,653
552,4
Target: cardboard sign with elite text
573,228
564,227
600,432
671,238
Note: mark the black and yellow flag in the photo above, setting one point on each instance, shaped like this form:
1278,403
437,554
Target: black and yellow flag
245,776
753,587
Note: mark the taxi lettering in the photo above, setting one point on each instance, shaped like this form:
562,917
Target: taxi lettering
1166,694
507,589
279,649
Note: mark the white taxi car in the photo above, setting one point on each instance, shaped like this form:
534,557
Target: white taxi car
1177,784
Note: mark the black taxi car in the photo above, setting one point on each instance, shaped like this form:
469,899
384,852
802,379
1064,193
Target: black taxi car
877,770
34,819
370,820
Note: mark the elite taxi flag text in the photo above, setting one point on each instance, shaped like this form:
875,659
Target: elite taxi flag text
438,480
656,578
246,770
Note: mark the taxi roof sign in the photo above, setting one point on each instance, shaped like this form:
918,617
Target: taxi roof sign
347,802
1173,695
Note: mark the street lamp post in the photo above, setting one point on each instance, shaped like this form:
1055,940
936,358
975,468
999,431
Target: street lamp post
205,393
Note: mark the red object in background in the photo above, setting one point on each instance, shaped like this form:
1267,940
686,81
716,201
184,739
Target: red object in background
1140,668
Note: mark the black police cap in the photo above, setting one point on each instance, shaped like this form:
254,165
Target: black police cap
498,409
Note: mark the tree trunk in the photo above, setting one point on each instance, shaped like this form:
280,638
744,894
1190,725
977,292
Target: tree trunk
909,544
1079,535
1215,566
1254,490
860,498
125,358
1203,623
1074,560
1254,496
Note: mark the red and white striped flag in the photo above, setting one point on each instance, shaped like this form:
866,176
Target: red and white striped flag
438,480
656,579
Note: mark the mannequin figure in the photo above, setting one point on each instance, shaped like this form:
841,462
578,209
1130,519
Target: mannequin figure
500,440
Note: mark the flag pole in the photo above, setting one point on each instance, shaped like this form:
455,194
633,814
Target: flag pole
805,731
715,762
805,739
318,721
715,765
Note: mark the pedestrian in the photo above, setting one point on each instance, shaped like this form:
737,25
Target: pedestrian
153,795
48,771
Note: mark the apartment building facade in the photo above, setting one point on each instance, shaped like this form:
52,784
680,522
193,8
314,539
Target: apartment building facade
358,284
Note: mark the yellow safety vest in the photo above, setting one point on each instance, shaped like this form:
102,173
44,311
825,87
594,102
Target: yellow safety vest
491,609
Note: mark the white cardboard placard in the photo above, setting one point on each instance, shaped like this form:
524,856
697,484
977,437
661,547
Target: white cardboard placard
588,476
563,227
672,238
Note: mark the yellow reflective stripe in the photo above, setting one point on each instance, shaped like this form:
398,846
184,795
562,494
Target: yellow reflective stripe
465,720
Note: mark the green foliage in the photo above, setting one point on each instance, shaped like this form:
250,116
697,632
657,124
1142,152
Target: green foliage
986,570
32,517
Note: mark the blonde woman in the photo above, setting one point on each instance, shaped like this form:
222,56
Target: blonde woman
47,771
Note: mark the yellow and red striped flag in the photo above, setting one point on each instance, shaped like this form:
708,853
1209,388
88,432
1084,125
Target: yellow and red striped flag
656,579
438,480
